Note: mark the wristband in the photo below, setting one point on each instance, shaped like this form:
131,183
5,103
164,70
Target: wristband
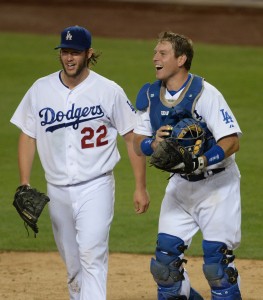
146,146
214,155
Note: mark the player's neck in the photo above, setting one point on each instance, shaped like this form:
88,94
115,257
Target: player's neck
71,81
175,83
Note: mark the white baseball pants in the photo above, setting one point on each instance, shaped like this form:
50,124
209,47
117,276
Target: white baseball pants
81,216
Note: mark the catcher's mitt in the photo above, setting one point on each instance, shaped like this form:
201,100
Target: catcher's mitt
29,203
171,157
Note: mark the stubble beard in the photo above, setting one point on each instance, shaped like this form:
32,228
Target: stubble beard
78,71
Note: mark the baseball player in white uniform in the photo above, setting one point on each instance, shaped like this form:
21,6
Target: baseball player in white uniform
209,198
73,117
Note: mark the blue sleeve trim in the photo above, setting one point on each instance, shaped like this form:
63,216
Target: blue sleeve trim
146,146
214,155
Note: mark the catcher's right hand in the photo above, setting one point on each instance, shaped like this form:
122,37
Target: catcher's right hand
170,156
29,203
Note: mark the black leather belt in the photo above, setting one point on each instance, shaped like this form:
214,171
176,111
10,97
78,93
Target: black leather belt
203,175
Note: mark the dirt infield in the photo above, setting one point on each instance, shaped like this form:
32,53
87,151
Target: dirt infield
42,276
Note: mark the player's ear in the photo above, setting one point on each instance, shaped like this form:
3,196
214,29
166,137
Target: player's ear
89,52
181,60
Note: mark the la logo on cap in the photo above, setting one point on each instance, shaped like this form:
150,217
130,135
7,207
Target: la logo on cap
75,37
69,36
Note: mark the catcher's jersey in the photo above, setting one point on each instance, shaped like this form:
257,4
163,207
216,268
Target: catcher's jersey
211,108
75,130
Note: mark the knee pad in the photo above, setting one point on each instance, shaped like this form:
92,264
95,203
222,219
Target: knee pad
221,277
167,269
169,248
167,275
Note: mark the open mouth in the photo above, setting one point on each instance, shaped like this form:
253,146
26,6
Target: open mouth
158,67
70,66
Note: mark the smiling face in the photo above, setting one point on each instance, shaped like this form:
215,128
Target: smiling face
166,63
172,58
74,62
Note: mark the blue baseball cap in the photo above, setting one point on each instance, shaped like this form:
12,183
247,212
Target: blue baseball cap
75,37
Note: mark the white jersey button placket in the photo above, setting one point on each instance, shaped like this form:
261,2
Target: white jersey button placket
71,151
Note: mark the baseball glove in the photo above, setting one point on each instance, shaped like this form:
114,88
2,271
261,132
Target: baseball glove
29,203
171,157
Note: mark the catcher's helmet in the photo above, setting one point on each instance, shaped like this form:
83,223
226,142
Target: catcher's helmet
190,134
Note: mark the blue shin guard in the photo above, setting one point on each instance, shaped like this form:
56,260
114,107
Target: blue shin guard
167,269
231,293
168,277
221,277
168,294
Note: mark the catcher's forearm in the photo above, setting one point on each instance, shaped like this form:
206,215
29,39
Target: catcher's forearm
230,144
223,149
137,140
26,154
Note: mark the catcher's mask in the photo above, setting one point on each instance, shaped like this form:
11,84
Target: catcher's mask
190,134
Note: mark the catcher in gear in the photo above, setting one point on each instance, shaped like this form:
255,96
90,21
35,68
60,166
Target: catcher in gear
186,127
29,203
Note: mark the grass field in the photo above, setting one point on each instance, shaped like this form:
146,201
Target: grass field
235,71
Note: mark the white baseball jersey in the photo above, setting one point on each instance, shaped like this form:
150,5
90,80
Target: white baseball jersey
213,110
81,125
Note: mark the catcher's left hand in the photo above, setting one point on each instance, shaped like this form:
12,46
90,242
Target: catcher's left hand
29,203
171,157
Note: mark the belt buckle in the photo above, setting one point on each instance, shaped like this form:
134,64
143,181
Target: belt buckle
208,173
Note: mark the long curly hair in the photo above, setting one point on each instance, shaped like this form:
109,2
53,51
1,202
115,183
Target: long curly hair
93,59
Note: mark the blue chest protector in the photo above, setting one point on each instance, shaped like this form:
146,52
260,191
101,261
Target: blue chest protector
162,114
